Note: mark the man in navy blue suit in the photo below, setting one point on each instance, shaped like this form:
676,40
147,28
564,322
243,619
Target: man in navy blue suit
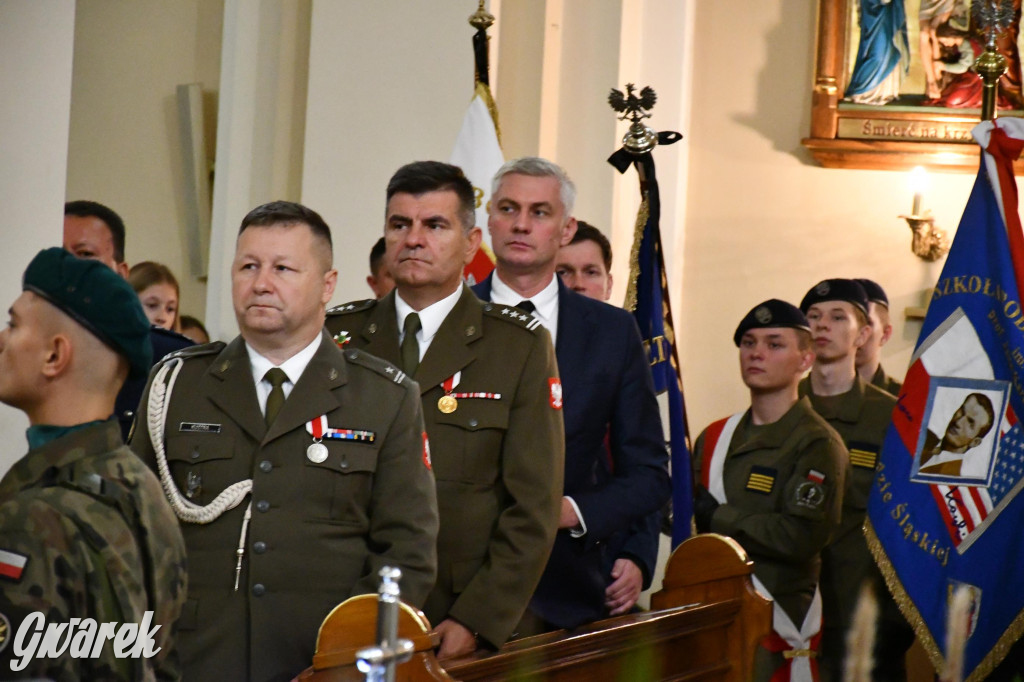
615,458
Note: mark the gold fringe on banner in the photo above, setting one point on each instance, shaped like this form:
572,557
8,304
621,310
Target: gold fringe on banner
485,92
634,254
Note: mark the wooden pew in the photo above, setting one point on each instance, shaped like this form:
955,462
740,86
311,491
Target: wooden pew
707,624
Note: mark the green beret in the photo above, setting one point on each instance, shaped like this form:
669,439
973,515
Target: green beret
98,299
848,290
770,314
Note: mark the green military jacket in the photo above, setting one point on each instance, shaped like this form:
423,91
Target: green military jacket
498,461
861,416
320,530
769,471
885,382
96,539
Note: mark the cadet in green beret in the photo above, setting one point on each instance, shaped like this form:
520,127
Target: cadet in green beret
85,532
772,478
837,310
869,362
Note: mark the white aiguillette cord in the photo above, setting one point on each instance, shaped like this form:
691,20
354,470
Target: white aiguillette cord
229,498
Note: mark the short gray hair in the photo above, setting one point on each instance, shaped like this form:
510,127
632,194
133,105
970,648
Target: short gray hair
536,167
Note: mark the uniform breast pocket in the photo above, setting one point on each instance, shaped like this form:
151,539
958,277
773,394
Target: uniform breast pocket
203,464
339,488
466,445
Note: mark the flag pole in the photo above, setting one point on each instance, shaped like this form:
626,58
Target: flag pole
992,18
482,20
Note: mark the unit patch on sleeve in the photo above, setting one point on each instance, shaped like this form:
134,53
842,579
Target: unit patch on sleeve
761,480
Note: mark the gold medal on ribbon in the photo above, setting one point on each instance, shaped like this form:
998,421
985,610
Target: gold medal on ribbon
447,404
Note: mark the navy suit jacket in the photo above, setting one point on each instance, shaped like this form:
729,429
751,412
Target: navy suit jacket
607,393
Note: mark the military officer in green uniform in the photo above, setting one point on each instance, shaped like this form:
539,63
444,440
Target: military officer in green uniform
492,403
869,363
860,413
298,469
85,532
772,479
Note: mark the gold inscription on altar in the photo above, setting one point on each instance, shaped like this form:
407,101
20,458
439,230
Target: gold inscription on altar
909,131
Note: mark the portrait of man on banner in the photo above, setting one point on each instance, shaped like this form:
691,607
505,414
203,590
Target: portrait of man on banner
962,435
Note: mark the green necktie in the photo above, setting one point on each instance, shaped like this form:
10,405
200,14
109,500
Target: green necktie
410,346
276,377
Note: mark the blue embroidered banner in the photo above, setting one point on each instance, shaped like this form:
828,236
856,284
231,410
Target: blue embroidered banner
945,509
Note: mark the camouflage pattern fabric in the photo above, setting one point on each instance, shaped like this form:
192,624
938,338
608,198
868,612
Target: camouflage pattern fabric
101,542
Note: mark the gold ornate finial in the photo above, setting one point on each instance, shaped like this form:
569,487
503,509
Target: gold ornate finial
640,139
992,17
481,19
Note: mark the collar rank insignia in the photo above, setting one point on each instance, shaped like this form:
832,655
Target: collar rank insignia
12,565
761,480
862,456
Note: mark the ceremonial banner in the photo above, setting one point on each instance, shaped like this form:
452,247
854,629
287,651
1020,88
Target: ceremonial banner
945,509
648,298
478,153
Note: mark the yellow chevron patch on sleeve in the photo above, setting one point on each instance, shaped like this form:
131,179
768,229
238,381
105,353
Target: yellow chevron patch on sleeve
863,459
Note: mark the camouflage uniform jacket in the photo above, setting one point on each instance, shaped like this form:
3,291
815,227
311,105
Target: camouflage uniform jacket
101,542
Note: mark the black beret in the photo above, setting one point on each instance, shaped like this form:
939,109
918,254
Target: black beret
876,294
772,313
848,290
98,299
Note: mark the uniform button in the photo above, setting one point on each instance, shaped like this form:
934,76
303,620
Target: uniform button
195,454
266,466
488,307
473,422
259,547
262,506
258,590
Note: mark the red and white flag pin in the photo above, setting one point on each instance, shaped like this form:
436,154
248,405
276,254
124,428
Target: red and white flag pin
12,564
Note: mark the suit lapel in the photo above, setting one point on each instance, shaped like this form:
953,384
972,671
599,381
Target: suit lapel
314,390
239,400
574,332
380,332
451,349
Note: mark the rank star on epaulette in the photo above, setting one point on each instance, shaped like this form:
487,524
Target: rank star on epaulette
761,480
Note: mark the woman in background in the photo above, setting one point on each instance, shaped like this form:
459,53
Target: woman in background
158,291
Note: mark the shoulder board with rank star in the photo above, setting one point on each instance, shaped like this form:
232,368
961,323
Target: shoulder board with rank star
382,367
512,314
352,307
213,348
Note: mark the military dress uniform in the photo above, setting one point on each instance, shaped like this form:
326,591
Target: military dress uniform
320,530
498,456
85,533
784,485
861,416
885,382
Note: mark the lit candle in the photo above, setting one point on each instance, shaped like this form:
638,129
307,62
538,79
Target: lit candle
918,181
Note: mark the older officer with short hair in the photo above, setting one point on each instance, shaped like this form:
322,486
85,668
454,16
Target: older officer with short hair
298,469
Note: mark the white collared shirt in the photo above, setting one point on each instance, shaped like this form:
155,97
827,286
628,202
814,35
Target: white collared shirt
293,367
431,318
546,302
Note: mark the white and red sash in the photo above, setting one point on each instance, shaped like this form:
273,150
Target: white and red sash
800,645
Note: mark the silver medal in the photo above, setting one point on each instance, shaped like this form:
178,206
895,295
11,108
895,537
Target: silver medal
316,452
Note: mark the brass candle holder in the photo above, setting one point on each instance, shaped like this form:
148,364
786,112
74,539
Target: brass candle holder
929,242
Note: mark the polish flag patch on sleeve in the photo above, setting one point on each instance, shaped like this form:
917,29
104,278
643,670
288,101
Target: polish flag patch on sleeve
815,476
12,564
426,451
555,393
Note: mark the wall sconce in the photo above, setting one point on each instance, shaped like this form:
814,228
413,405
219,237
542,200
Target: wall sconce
929,242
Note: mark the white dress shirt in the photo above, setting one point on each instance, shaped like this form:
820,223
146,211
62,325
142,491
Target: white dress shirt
431,318
293,367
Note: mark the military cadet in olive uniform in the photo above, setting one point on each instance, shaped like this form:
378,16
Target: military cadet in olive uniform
860,413
85,532
781,470
337,466
869,365
491,401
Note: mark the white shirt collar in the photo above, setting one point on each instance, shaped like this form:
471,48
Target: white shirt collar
293,367
431,317
546,301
